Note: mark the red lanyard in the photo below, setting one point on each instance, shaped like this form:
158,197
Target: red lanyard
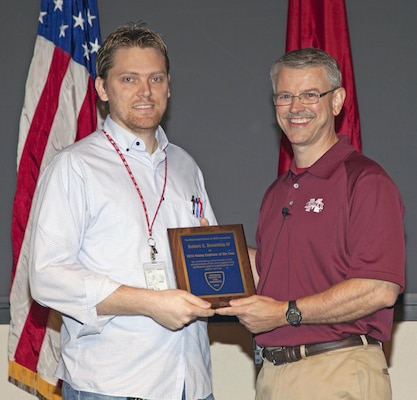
151,241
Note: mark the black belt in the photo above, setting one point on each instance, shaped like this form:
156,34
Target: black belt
289,354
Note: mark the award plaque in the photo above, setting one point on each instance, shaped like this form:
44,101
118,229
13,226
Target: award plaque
212,262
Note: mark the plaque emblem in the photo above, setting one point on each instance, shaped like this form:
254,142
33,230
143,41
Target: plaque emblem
215,279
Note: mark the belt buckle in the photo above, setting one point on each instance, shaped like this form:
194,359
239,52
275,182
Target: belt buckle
277,349
272,352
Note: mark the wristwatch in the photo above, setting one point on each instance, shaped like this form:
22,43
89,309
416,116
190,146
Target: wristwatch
293,314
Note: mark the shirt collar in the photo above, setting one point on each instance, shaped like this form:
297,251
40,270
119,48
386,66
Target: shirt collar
128,142
329,161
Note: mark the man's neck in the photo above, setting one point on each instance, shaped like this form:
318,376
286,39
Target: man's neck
148,137
152,147
306,156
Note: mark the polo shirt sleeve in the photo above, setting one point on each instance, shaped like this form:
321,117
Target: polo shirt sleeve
376,232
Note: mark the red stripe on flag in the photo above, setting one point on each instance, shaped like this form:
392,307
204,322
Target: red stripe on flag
323,24
87,117
34,149
31,338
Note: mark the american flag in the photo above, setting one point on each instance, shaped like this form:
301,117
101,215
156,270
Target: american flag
60,107
323,24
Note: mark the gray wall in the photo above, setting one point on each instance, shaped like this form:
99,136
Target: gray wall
220,109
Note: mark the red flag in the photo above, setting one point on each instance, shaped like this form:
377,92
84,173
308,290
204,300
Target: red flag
60,107
323,24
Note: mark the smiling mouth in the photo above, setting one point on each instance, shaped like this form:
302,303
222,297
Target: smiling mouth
299,120
143,107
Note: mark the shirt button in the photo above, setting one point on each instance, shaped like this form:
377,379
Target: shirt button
296,185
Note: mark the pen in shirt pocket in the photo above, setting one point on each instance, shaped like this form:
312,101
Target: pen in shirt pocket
197,206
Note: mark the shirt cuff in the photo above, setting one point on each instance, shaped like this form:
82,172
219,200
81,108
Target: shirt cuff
96,292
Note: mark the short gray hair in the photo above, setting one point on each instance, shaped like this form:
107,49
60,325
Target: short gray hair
308,58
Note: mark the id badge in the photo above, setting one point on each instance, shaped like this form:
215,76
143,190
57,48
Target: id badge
156,275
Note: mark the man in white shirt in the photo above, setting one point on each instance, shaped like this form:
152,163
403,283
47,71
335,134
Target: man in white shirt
101,212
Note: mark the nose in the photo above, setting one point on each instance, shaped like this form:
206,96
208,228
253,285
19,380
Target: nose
296,104
144,89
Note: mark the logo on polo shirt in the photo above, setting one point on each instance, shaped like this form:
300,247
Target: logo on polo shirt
314,205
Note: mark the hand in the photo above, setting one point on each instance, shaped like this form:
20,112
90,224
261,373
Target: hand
175,308
204,222
257,313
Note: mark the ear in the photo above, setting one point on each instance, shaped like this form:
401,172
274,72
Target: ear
338,100
169,86
101,89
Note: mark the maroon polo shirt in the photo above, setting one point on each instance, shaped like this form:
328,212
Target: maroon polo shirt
344,220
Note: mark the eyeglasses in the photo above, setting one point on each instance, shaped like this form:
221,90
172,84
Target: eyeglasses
285,99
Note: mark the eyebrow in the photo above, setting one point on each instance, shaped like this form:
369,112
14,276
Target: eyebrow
141,74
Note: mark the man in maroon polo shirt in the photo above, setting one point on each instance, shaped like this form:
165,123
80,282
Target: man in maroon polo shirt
330,251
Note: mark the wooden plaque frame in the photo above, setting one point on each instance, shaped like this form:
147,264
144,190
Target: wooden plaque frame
212,262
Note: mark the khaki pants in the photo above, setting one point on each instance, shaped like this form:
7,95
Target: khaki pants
354,373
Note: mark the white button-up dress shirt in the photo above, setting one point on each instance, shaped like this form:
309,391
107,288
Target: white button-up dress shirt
90,236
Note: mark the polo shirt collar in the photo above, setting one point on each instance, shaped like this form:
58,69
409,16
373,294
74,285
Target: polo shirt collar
328,162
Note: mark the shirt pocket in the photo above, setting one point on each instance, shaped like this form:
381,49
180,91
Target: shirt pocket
184,211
